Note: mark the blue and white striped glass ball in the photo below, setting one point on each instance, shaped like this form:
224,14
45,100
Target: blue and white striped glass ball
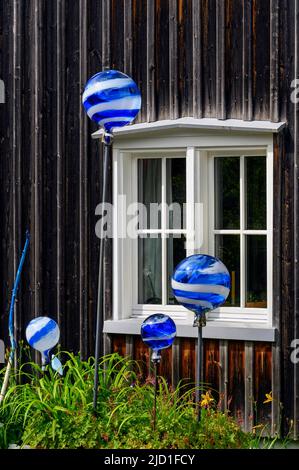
111,99
201,283
158,331
42,333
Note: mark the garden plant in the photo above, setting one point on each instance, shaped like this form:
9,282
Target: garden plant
45,410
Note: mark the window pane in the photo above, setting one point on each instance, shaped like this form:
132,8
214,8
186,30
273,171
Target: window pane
150,191
255,171
150,270
175,254
227,193
176,191
227,249
256,271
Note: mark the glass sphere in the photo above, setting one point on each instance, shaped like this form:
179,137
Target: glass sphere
158,331
111,99
42,333
201,283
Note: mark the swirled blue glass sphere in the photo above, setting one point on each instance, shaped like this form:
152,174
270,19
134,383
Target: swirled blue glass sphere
201,283
42,333
111,99
158,331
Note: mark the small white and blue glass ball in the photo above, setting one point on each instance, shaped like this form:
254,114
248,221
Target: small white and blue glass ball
158,331
111,99
42,333
201,283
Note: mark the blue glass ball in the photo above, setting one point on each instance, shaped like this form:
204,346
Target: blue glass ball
42,333
158,331
201,283
111,99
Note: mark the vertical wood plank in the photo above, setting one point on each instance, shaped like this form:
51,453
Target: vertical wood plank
173,59
220,60
296,224
247,60
83,185
208,8
36,146
233,47
260,58
119,345
236,380
142,355
106,34
188,360
274,60
197,59
176,362
212,366
249,416
161,53
165,369
130,346
60,165
223,386
150,64
128,39
262,383
17,154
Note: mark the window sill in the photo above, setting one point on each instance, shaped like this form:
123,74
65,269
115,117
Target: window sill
213,330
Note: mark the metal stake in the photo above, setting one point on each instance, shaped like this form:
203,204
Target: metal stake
156,356
107,140
200,322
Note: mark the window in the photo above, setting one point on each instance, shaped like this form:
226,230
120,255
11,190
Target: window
162,236
222,184
239,235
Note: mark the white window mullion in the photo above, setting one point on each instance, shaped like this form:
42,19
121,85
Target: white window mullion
190,199
164,226
242,236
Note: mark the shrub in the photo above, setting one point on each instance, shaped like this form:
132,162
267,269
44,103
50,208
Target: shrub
49,411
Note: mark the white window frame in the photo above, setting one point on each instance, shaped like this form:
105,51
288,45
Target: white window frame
198,140
164,232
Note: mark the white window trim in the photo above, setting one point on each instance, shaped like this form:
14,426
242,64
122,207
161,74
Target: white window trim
202,143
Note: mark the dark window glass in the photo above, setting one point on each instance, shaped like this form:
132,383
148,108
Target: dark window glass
150,191
255,177
150,270
256,271
227,248
176,252
176,191
227,193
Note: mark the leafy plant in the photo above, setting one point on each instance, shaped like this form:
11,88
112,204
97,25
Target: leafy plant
45,410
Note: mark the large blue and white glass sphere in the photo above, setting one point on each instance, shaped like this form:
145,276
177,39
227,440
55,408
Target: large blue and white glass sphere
42,333
111,99
158,331
201,283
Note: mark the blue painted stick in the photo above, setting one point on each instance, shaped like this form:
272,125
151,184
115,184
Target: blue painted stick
11,317
14,295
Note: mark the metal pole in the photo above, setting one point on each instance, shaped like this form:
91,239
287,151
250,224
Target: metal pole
155,395
156,357
100,313
199,322
199,362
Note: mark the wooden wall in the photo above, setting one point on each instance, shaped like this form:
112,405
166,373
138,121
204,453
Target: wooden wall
202,58
238,373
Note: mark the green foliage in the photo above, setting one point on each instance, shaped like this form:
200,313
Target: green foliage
49,411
